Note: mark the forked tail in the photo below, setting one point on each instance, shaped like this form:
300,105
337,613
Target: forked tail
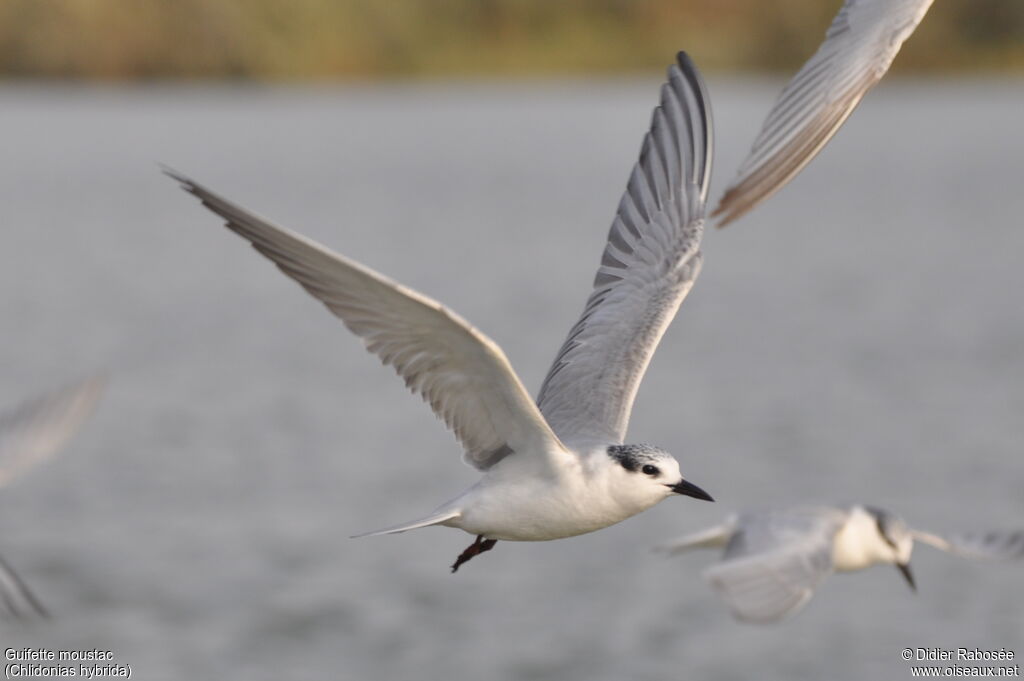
435,518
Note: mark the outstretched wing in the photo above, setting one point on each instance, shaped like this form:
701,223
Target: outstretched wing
775,560
35,430
994,545
858,49
460,372
16,600
649,265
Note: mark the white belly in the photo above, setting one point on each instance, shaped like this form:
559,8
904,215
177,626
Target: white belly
537,511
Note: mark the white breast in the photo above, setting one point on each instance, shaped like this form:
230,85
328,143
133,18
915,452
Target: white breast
858,544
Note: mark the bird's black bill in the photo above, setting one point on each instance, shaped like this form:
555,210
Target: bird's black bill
691,490
907,575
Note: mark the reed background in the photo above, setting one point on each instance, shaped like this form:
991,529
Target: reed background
363,39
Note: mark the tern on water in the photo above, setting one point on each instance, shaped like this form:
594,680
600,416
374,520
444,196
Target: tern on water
775,559
557,468
29,434
858,49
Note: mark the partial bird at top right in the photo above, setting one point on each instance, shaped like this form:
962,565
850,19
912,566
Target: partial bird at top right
858,49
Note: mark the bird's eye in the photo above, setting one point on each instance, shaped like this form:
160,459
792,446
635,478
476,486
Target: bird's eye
650,470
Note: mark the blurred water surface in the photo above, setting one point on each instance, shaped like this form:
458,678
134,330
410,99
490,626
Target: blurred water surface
859,337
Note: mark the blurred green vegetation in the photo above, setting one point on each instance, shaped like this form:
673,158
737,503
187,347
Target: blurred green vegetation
346,39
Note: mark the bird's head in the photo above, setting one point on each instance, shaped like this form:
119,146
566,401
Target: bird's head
648,474
897,542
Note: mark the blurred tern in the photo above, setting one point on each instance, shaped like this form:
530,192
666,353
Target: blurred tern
858,49
30,434
775,559
557,468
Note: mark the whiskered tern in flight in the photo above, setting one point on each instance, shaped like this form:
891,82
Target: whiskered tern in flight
774,559
29,434
560,467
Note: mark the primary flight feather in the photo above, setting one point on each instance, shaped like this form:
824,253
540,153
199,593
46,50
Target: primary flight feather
859,46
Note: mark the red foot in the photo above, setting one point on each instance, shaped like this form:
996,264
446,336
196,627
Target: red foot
476,548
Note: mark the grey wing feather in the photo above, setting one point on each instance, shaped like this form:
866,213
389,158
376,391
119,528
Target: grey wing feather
859,46
460,372
992,545
775,560
35,430
649,264
16,600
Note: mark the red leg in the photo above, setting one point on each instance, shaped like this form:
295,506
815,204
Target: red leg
476,548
